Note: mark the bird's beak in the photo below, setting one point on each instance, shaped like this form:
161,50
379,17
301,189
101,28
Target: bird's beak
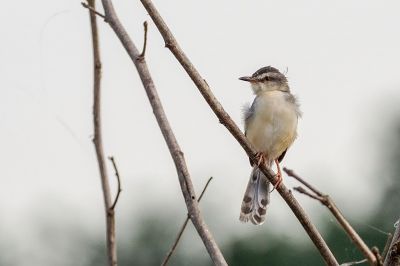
249,79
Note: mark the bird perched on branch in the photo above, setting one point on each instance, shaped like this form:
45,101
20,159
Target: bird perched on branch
270,126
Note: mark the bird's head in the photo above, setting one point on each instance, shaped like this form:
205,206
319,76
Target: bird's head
267,79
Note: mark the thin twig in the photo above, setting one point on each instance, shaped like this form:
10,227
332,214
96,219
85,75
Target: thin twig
224,118
393,255
111,158
204,189
98,142
303,191
91,9
376,229
353,262
330,204
143,53
183,227
291,173
173,146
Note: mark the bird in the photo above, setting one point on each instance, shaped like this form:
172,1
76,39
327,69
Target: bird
270,125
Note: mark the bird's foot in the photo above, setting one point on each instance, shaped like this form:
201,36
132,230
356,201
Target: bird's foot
278,176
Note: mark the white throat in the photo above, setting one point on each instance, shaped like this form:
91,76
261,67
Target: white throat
260,87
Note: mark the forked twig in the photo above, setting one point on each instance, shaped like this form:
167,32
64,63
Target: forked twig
183,227
291,173
111,158
329,203
92,9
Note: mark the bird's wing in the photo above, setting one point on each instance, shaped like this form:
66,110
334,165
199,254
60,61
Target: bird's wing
248,115
293,99
280,158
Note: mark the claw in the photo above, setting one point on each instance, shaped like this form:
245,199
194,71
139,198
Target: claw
278,176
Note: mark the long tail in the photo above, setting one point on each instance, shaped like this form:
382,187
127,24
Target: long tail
256,198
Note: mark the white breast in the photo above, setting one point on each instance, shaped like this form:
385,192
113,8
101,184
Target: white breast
272,128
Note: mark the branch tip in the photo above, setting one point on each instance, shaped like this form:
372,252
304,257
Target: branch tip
291,173
111,158
143,53
353,262
92,10
375,251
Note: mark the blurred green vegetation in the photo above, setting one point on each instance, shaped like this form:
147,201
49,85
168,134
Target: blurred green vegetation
156,236
284,252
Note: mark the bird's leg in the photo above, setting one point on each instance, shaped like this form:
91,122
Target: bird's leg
260,158
278,175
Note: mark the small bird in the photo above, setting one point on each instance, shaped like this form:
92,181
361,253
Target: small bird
270,126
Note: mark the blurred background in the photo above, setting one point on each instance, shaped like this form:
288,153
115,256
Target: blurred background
342,61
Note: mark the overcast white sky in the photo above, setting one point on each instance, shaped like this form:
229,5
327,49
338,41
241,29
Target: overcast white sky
343,63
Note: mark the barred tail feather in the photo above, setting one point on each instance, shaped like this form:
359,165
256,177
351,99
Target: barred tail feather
256,198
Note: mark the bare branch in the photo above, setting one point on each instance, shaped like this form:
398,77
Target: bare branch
143,53
111,158
225,119
328,202
387,245
393,255
173,146
183,227
91,9
98,142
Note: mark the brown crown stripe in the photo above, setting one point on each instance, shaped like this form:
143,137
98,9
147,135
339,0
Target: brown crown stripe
265,70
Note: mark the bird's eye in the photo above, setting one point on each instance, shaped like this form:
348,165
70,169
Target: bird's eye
266,78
